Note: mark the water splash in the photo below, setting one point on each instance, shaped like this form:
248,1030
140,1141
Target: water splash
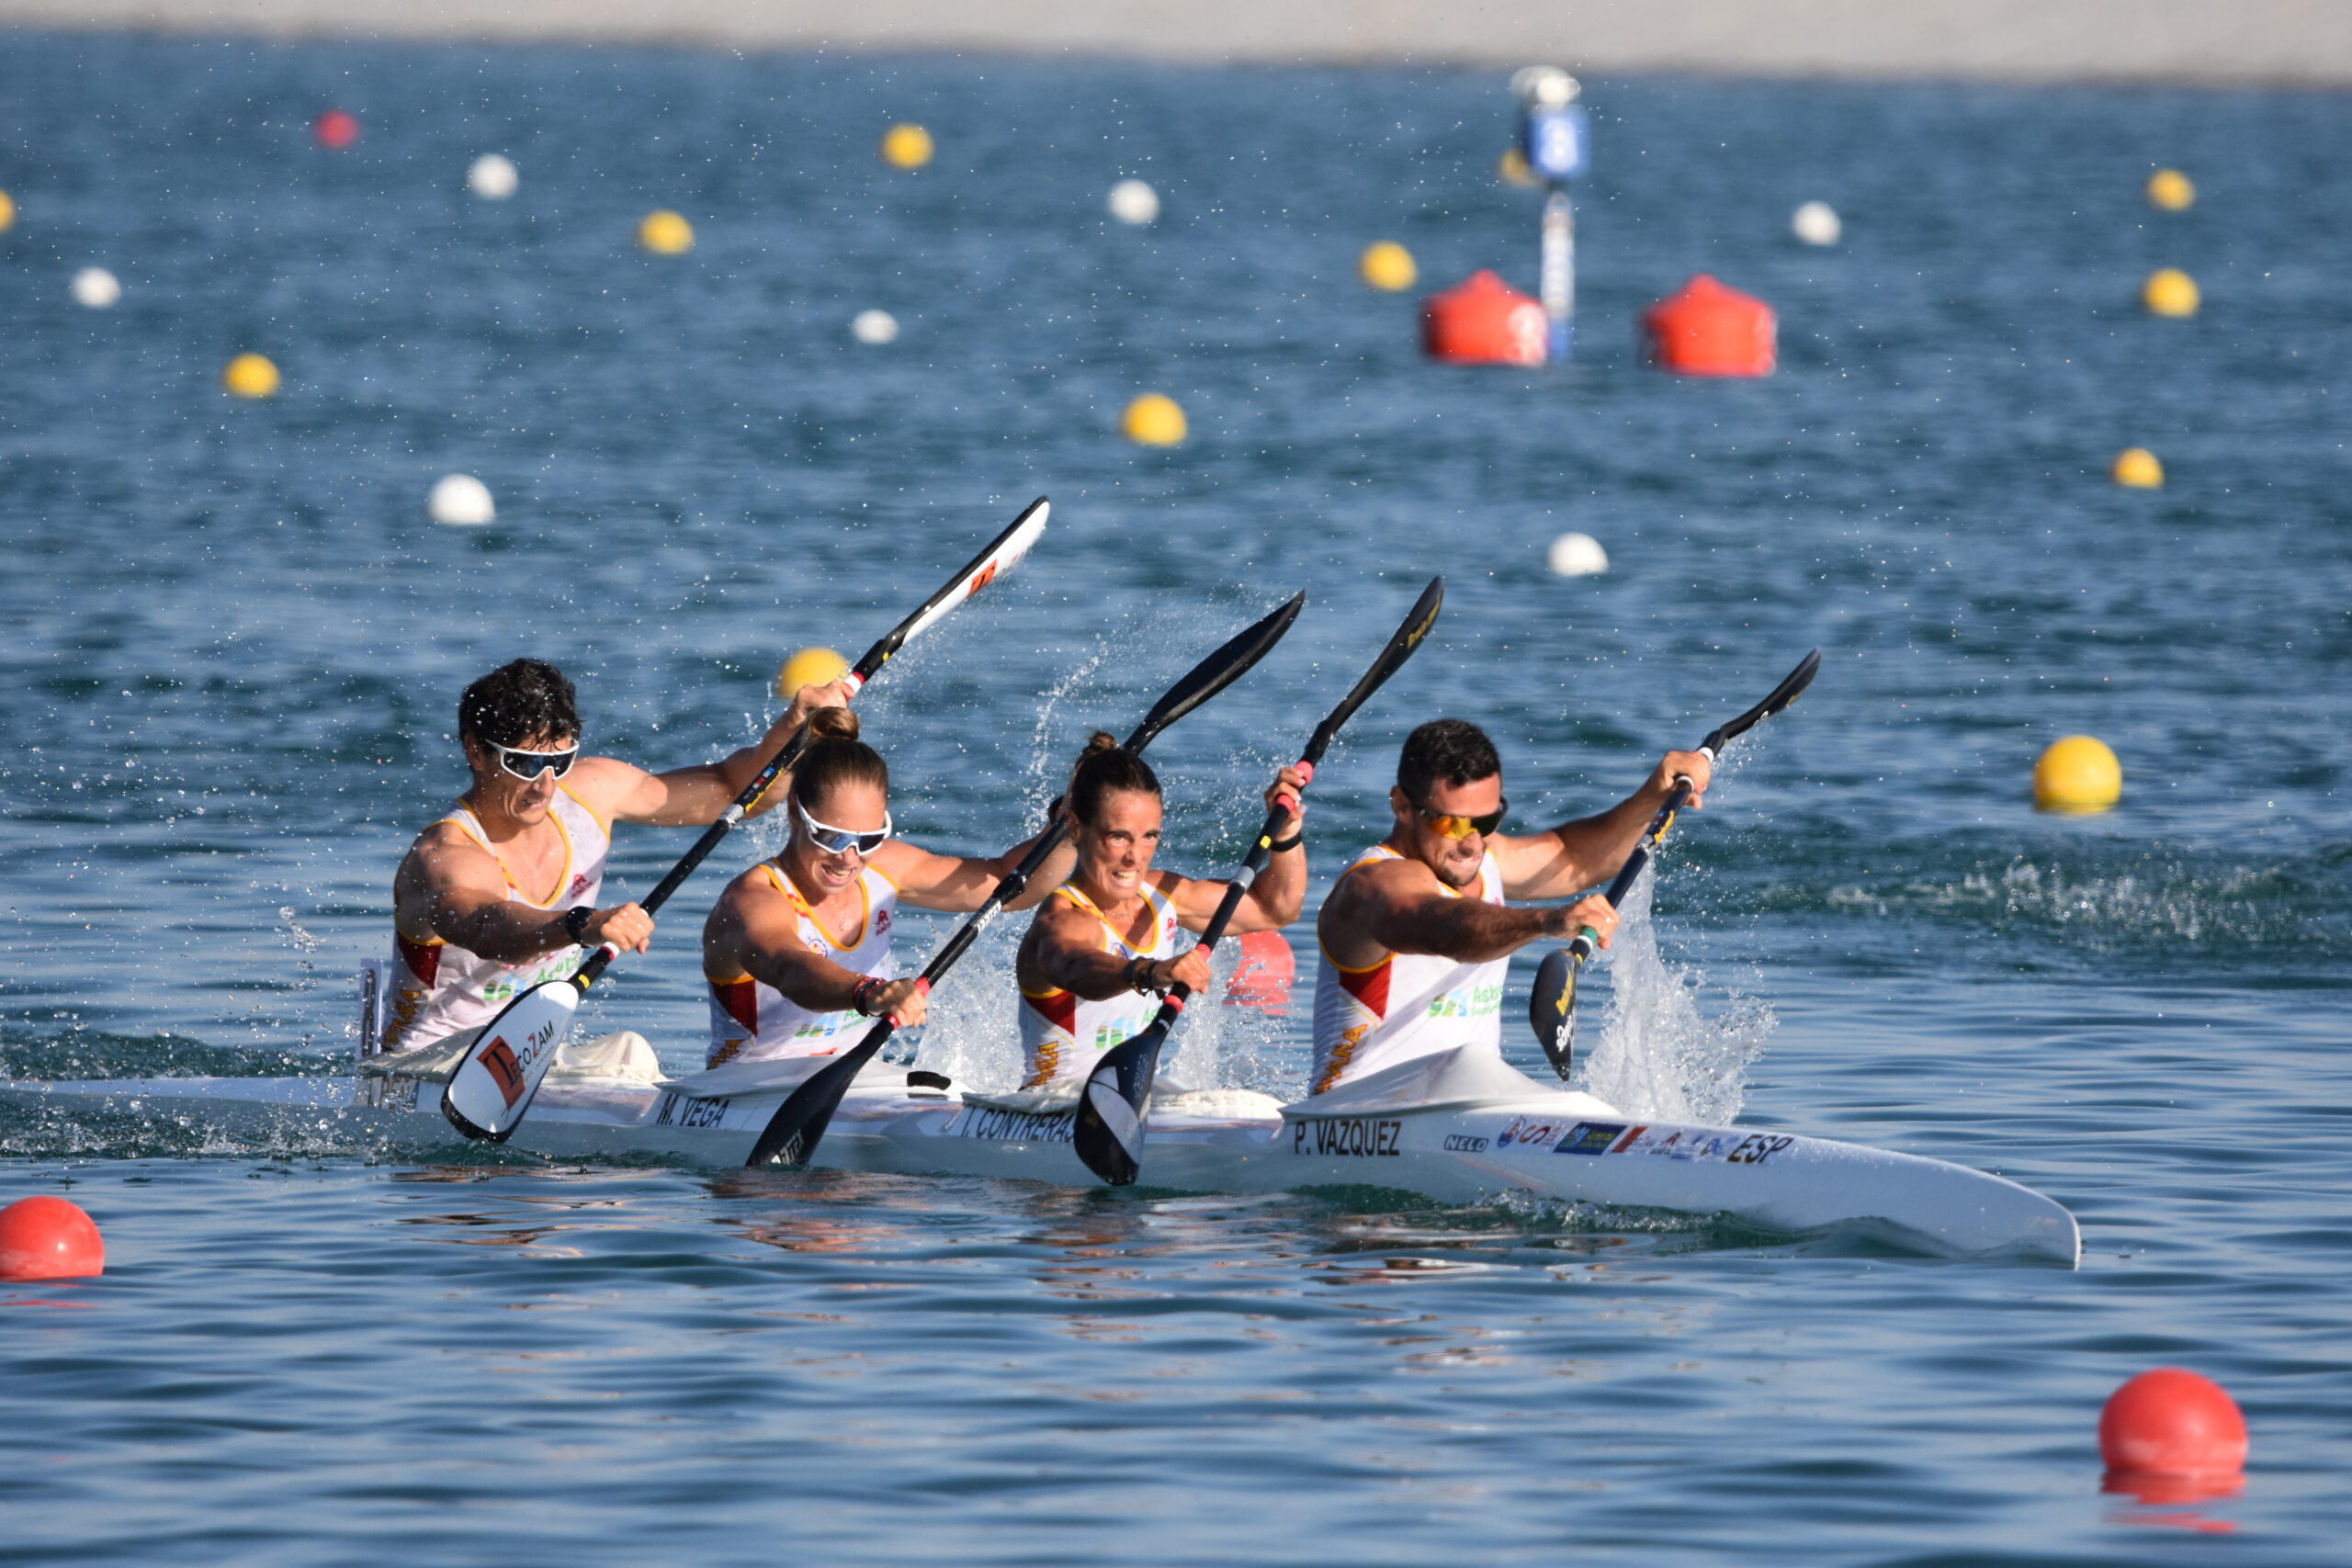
1658,1055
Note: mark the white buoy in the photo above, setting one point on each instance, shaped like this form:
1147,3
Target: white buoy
1132,201
96,288
874,326
1577,555
1816,224
461,499
492,177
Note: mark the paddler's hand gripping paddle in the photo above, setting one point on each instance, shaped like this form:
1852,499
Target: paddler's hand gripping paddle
1552,1010
1112,1111
491,1088
792,1133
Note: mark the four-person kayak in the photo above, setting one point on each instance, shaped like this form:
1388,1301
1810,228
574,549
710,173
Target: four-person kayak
1456,1128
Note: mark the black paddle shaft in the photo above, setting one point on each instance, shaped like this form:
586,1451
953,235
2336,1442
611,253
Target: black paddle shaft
793,1132
1133,1063
865,670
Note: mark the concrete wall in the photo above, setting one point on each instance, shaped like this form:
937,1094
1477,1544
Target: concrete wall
2305,42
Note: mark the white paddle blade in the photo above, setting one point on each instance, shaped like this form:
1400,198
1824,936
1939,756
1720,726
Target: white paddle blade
983,571
492,1087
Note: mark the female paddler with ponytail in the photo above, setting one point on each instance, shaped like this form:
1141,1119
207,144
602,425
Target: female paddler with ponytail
798,949
1103,949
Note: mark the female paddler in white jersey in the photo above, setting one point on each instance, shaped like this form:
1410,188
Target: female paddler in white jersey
1416,935
798,949
1102,950
501,893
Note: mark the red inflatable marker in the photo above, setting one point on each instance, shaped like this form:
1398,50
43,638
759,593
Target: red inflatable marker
1262,978
337,128
49,1238
1709,330
1484,321
2173,1427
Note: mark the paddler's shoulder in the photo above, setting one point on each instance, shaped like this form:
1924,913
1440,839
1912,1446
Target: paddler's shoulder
603,785
1376,875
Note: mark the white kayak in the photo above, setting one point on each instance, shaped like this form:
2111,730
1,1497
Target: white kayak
1455,1128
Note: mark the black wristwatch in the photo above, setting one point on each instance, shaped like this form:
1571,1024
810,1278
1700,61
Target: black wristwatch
575,923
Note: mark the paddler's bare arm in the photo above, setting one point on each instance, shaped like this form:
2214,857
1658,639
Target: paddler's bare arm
1398,907
684,797
960,884
1063,949
1575,855
754,930
447,886
1275,898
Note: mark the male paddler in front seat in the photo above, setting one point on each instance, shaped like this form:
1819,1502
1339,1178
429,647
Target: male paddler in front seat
1417,935
501,893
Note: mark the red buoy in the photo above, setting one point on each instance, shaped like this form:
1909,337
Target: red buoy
49,1238
1484,321
1262,979
337,128
2171,1422
1709,330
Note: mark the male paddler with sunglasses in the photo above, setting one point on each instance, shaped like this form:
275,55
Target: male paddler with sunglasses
500,895
1416,934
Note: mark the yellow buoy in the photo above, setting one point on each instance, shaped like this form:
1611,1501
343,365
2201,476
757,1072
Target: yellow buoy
7,211
665,234
250,376
1387,267
906,146
810,667
1153,421
1512,168
2169,292
2077,774
2170,190
2136,468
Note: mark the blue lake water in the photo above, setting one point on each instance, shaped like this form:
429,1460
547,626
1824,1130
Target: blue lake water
235,644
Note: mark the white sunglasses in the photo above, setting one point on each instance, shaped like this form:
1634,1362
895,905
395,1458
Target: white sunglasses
840,840
528,765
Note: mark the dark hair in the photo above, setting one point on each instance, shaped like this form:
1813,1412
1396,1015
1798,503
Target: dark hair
834,757
1103,766
528,699
1454,750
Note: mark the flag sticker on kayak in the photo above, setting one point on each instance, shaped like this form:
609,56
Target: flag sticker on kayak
1597,1137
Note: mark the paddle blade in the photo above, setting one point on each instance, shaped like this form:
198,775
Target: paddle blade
1552,1010
979,573
1108,1134
1262,978
1790,688
1416,626
793,1132
486,1097
1215,672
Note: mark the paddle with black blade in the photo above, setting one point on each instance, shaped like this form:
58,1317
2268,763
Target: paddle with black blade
793,1132
491,1089
1109,1131
1552,1010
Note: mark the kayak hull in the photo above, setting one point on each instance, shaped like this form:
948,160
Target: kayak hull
1559,1147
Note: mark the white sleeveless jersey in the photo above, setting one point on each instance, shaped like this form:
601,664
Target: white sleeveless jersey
1062,1035
751,1021
1408,1004
438,989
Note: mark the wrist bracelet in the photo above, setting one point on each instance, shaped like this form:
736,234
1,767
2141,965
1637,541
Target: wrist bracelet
1290,843
1139,976
867,989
